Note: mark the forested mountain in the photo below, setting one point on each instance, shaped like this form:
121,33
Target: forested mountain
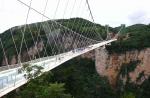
133,37
39,34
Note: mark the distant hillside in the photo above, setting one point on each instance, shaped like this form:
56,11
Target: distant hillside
37,31
133,37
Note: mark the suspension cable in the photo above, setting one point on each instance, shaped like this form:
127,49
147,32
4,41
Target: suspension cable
38,30
25,27
51,20
4,52
93,18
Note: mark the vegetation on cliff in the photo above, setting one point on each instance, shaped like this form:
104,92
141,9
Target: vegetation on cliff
135,37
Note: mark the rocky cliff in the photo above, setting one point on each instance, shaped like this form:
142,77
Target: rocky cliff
33,51
110,65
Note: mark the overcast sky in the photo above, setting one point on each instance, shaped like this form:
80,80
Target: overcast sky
112,12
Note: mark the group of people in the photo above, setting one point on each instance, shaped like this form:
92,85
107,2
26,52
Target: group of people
78,50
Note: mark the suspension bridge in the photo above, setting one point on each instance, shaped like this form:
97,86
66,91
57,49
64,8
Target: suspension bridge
47,43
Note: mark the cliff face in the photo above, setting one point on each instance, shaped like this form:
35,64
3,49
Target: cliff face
109,65
25,56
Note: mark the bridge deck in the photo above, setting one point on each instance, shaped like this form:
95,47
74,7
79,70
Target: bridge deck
10,79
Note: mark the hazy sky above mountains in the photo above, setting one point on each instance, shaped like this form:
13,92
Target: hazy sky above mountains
112,12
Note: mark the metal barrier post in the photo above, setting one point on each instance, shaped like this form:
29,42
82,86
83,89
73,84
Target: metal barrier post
15,79
7,79
1,84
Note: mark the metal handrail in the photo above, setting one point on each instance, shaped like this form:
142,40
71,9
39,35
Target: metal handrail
3,68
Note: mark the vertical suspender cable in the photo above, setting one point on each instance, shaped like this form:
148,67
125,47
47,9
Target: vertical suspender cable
38,30
24,30
4,51
92,18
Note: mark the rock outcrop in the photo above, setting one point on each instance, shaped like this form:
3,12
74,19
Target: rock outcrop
25,56
109,65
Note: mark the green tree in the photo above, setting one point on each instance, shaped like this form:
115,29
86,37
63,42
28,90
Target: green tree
56,90
41,87
128,95
53,90
31,72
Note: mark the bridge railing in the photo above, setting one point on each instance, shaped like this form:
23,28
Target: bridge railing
11,78
3,68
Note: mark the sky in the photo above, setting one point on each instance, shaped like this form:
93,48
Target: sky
111,12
